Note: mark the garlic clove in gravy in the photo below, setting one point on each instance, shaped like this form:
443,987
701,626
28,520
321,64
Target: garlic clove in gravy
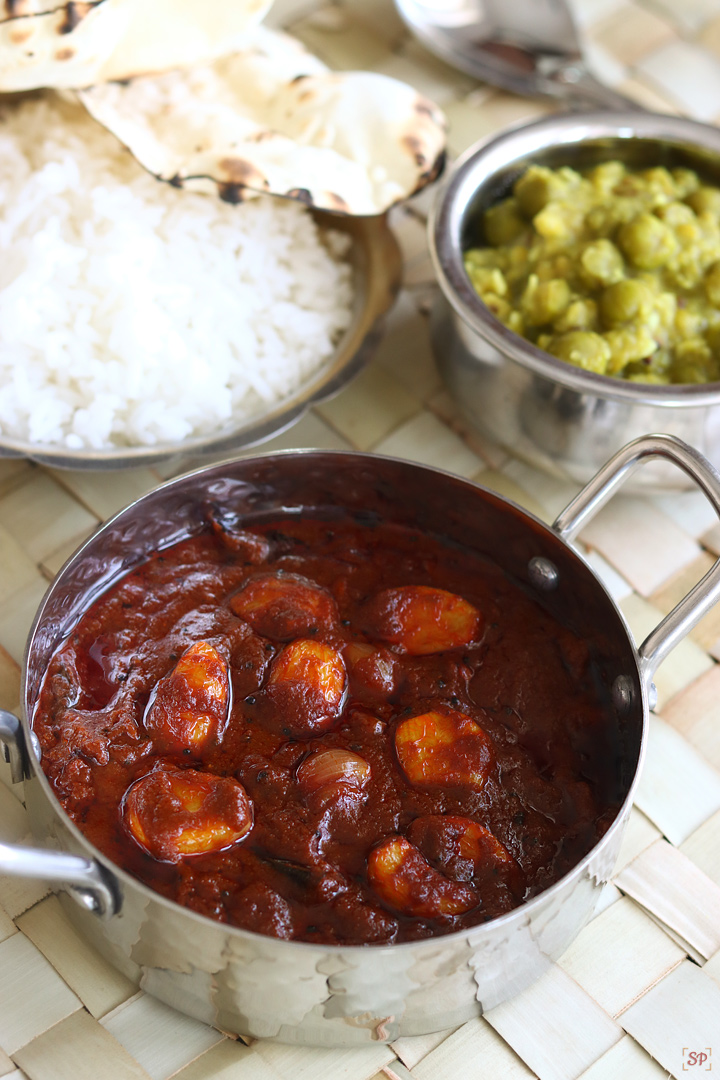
419,619
283,606
172,813
443,748
330,768
190,705
461,848
307,687
405,881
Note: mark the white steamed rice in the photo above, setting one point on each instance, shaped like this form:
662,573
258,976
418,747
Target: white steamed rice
132,313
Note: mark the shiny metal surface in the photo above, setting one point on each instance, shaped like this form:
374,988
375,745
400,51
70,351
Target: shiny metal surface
332,995
83,877
688,612
377,269
529,47
13,742
558,417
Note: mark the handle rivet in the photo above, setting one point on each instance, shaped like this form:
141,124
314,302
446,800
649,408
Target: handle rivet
84,898
543,574
652,696
571,74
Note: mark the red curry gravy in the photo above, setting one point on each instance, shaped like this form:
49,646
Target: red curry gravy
329,732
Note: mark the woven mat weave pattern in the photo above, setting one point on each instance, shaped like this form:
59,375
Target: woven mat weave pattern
638,993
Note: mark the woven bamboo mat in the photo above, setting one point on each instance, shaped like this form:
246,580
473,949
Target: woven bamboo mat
638,993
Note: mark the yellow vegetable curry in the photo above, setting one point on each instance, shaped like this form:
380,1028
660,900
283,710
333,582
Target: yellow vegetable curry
612,270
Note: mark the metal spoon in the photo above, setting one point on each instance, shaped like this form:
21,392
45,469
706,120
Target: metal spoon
530,47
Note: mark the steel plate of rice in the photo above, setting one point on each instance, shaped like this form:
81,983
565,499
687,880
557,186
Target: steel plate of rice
134,314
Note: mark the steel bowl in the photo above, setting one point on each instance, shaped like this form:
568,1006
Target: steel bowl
559,418
326,994
377,271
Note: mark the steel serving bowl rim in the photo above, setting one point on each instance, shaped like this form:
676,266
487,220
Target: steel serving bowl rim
520,914
341,365
481,161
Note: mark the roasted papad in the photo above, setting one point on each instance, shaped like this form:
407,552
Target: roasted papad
78,44
273,118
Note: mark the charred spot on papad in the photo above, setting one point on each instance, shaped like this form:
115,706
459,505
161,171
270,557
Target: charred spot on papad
415,147
242,172
300,195
232,193
434,173
74,15
336,202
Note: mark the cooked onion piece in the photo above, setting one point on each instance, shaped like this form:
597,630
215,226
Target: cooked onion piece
172,813
307,685
246,545
406,882
420,620
372,670
327,769
443,748
314,666
460,846
284,606
190,706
